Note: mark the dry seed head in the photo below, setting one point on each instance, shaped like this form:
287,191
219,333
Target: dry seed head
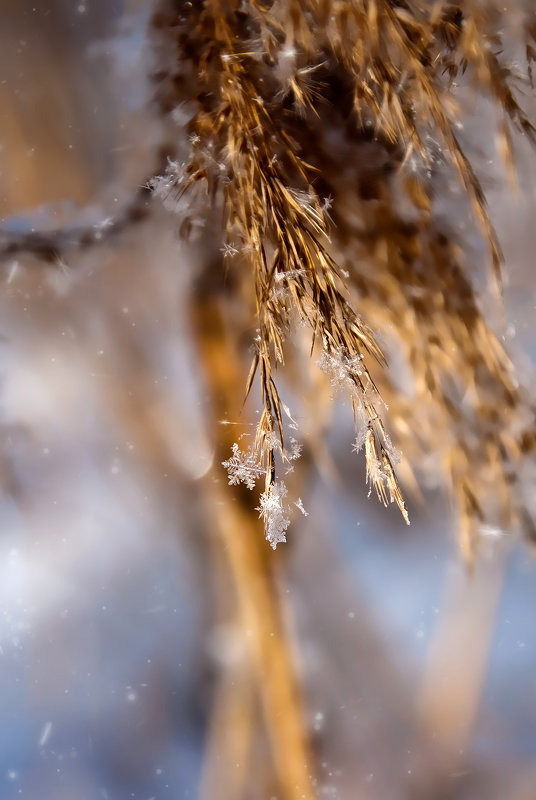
356,102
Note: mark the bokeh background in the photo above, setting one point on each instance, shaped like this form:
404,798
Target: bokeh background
124,666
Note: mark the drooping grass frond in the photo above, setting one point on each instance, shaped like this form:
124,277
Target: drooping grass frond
330,134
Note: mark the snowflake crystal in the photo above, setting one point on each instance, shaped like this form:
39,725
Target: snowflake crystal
243,467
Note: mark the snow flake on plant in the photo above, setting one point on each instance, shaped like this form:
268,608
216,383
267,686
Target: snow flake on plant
243,467
273,510
341,367
259,460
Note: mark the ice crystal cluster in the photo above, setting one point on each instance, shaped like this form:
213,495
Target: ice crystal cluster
273,511
245,466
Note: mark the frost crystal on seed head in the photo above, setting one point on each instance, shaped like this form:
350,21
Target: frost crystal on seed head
167,187
229,250
341,367
360,435
274,513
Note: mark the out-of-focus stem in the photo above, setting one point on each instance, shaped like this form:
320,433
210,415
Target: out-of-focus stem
228,747
454,677
253,567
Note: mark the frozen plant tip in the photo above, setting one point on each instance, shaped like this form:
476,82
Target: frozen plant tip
380,474
247,466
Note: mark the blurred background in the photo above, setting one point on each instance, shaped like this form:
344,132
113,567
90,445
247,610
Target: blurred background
145,651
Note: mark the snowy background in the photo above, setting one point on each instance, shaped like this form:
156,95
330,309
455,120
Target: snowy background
109,648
